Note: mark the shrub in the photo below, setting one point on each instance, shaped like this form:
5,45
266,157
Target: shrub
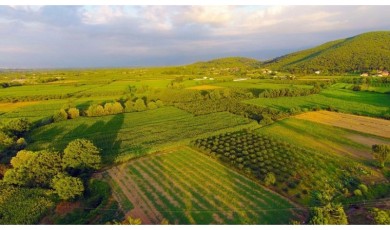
357,192
363,188
117,108
152,105
139,105
129,106
73,113
81,154
67,187
159,103
269,179
60,115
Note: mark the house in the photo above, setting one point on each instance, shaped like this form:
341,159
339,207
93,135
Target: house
317,72
364,75
385,73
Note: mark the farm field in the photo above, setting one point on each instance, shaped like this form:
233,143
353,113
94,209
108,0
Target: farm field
184,186
129,135
360,103
256,84
378,127
324,138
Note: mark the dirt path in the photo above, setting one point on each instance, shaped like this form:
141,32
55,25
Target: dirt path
375,126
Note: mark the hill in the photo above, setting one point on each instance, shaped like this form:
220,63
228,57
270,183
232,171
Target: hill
361,53
228,62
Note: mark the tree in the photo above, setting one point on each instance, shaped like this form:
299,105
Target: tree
159,103
117,108
60,115
381,153
5,140
81,154
18,127
73,113
108,108
269,179
381,216
33,168
328,214
139,105
67,187
129,106
152,105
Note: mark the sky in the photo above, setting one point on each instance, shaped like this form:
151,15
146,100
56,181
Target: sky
126,36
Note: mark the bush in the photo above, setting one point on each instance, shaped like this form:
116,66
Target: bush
357,88
269,179
159,103
363,188
67,187
152,105
139,105
73,113
357,192
129,106
60,116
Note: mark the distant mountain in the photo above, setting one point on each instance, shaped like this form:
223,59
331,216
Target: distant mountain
361,53
228,62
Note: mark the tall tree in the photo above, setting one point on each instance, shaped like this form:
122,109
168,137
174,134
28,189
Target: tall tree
81,154
381,153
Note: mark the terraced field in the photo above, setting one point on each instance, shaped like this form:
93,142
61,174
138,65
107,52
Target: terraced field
186,187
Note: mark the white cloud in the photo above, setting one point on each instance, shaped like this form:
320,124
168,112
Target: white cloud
102,14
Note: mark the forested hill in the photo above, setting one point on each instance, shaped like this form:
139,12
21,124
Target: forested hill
364,52
229,62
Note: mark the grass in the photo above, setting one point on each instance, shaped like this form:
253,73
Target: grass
255,84
186,187
130,135
361,103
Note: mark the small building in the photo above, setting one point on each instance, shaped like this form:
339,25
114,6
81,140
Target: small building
385,73
364,75
317,72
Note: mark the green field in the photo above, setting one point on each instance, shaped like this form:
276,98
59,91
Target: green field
186,187
361,103
256,84
128,135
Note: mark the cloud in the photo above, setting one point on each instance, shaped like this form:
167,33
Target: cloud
83,36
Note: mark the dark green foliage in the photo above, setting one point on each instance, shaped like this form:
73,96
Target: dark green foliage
81,155
294,92
362,53
22,205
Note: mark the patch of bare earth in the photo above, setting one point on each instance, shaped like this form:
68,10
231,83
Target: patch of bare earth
375,126
64,207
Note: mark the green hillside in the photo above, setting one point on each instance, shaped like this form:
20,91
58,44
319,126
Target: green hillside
364,52
228,62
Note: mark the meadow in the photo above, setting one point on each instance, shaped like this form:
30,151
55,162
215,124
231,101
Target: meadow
129,135
184,186
360,103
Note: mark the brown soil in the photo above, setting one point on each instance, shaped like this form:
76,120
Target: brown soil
64,207
363,124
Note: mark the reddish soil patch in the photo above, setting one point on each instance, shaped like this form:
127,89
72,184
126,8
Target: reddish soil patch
362,124
64,207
